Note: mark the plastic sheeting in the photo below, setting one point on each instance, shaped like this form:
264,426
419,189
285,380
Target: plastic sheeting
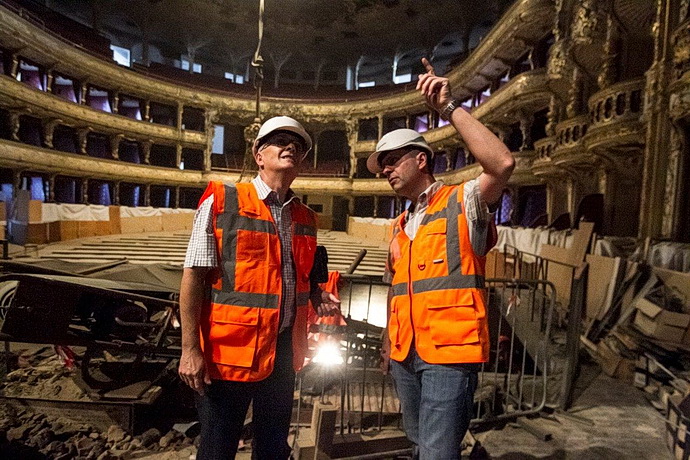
53,212
372,220
126,211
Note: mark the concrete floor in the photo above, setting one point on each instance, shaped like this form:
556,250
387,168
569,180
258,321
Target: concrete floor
624,425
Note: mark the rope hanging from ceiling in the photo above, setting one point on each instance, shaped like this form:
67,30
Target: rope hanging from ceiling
251,131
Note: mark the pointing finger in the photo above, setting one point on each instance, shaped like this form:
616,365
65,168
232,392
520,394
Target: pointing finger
427,65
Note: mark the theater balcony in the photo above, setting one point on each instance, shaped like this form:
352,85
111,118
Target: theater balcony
616,125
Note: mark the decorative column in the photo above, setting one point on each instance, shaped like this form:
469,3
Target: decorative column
147,110
526,122
210,118
178,155
316,136
51,188
147,195
116,193
574,105
379,117
352,128
85,191
655,220
552,117
376,206
83,91
115,101
82,137
146,151
14,65
16,182
49,130
115,140
49,80
176,198
14,124
180,111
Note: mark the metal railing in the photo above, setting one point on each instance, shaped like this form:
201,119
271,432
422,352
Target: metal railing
513,383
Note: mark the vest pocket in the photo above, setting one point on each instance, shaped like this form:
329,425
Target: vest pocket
252,245
233,335
454,324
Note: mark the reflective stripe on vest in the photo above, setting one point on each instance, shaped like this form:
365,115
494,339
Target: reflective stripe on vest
455,279
230,221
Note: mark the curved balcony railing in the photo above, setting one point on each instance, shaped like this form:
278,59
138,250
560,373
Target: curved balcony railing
569,134
16,95
545,148
618,103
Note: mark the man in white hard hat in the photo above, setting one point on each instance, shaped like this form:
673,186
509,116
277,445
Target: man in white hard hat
244,295
437,334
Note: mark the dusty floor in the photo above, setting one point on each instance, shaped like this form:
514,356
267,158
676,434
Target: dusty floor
624,425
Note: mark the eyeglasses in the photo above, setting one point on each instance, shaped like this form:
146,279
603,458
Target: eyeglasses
283,140
393,159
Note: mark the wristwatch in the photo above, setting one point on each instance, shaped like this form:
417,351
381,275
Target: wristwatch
448,109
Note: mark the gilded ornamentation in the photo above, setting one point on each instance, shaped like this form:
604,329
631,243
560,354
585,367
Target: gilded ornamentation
589,24
558,60
608,66
681,49
574,105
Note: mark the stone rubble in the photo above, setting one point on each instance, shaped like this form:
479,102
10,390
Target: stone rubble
29,435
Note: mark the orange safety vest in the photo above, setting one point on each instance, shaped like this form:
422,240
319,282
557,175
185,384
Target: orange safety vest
438,286
239,326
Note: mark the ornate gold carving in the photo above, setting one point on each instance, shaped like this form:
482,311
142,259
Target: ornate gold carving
608,69
557,66
681,49
552,116
574,106
589,23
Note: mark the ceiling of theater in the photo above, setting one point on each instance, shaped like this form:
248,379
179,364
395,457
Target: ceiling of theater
338,32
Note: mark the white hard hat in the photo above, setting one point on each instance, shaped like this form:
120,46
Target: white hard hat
396,140
282,123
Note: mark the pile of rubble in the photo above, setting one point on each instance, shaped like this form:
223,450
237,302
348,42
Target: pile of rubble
25,434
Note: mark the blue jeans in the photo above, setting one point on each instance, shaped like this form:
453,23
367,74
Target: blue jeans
437,401
223,407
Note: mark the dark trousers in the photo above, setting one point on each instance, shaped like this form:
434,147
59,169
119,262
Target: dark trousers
223,408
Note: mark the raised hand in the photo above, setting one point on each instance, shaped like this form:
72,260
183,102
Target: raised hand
436,90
